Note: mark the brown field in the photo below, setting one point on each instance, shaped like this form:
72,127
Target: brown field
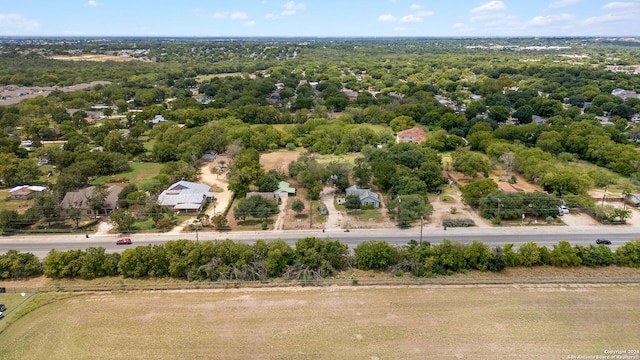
96,57
278,160
410,322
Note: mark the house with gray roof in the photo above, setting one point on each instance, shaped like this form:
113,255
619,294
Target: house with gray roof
186,197
80,200
367,197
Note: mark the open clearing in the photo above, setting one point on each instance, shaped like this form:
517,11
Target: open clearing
97,57
424,322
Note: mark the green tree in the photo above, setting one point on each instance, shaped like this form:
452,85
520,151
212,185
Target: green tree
123,219
564,255
499,113
352,202
471,163
244,171
49,206
475,191
97,199
219,221
298,206
17,265
255,206
524,114
375,255
628,254
402,123
75,215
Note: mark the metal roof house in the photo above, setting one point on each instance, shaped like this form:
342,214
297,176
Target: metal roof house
25,191
284,189
186,196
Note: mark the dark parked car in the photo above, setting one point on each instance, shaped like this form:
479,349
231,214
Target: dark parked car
603,242
2,307
124,241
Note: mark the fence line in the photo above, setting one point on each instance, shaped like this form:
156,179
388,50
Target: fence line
362,282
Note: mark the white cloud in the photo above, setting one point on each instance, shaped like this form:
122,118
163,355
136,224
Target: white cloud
415,7
618,5
18,21
605,18
238,15
292,7
387,18
548,20
563,3
271,16
92,3
249,23
540,20
425,13
410,19
485,17
489,7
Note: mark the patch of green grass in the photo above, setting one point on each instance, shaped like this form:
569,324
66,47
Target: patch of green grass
140,173
7,203
363,217
148,145
346,158
446,198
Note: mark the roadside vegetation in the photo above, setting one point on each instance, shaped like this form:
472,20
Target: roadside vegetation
312,259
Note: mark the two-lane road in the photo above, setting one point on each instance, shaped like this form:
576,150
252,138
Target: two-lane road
498,236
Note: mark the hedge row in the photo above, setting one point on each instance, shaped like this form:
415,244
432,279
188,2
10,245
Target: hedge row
311,258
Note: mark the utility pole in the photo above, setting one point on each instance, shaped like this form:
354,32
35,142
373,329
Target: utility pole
421,223
310,209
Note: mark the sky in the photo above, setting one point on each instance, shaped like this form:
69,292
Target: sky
319,18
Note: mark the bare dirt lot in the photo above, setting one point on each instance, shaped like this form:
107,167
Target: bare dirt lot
96,57
413,322
278,160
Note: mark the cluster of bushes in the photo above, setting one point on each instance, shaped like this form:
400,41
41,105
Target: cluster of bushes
458,222
310,259
16,265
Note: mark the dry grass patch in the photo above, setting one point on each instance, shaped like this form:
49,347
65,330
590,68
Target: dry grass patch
428,322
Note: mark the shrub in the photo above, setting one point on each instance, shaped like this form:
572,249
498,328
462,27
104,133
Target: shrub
164,223
375,255
458,222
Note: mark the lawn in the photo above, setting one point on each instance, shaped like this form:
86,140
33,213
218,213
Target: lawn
347,158
7,203
140,173
424,322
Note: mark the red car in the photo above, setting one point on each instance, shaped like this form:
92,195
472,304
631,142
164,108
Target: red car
123,241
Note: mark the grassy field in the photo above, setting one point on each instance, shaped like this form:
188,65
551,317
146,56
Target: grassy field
139,174
6,203
430,322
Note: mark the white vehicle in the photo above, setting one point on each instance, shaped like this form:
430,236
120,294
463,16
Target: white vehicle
562,210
